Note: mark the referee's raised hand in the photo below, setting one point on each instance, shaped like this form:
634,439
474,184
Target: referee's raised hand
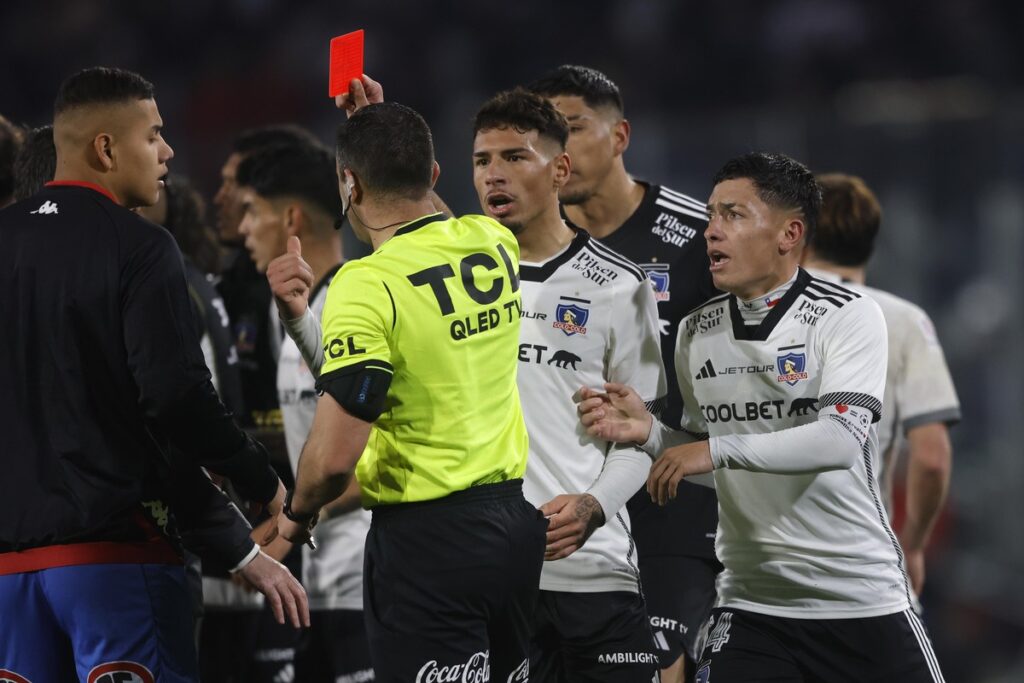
291,280
361,92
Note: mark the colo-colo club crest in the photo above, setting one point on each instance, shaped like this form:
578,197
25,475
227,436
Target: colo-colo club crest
791,368
571,318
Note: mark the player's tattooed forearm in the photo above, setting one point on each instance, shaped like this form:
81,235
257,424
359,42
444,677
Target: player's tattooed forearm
589,510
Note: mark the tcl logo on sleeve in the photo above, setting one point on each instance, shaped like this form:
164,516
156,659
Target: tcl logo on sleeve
120,672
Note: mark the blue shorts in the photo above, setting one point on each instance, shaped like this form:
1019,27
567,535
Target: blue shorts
98,623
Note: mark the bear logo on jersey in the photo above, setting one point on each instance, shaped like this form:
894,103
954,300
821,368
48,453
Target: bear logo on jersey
564,360
571,319
120,672
791,368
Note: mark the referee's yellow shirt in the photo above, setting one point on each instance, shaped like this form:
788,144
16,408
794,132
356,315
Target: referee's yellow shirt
438,306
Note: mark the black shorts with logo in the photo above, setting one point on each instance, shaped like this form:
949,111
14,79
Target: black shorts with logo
746,646
593,637
680,592
450,586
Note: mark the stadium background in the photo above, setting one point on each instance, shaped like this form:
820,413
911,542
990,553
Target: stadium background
922,99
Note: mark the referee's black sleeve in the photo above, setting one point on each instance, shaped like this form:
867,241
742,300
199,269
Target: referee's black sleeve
161,341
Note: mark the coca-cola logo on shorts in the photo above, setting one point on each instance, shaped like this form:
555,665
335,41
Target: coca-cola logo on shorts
521,674
476,670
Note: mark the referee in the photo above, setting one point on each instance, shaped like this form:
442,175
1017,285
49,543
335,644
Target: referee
421,341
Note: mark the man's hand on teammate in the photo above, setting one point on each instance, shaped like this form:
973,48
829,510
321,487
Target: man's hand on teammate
361,92
291,280
619,415
572,518
282,590
674,465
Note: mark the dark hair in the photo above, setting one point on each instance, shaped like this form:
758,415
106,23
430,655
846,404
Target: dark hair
390,148
781,182
596,89
849,220
252,139
524,111
295,170
186,221
36,163
11,137
101,85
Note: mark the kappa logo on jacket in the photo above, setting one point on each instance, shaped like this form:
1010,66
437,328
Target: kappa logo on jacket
46,208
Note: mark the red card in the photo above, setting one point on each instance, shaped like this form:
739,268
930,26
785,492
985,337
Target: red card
346,61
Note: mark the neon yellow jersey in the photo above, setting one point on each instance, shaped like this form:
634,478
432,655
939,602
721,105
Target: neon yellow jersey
438,306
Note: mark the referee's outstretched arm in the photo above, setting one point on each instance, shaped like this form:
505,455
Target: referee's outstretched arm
326,467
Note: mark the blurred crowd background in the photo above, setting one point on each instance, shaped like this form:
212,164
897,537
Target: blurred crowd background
924,100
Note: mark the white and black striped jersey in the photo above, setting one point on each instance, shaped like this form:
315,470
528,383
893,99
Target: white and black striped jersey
665,236
918,387
333,574
589,317
791,404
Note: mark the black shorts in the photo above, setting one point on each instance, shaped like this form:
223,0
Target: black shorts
680,592
450,586
594,637
334,649
745,646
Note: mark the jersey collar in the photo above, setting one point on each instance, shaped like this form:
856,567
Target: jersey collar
419,223
762,331
324,281
81,183
542,272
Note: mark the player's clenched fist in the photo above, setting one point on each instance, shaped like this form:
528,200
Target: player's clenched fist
291,280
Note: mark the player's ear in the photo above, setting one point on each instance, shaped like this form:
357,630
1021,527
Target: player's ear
295,219
620,136
563,168
435,171
103,146
792,237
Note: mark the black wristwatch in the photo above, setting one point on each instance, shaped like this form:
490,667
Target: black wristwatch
309,521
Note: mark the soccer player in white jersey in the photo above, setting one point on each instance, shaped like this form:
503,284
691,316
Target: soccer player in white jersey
920,399
589,316
661,230
786,374
289,198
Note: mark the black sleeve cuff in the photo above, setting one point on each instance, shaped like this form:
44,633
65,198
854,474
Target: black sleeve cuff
250,472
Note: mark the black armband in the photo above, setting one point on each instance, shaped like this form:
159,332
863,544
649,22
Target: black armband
360,389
